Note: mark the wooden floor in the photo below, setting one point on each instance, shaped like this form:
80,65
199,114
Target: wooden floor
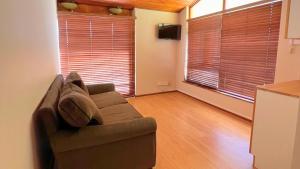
194,135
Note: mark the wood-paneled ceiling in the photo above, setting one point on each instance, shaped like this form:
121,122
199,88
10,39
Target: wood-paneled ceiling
161,5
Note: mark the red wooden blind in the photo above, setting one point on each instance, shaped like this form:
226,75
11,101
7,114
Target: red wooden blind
249,49
99,48
236,54
204,51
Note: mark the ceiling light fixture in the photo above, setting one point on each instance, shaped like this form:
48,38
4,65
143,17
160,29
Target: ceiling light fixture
116,11
69,5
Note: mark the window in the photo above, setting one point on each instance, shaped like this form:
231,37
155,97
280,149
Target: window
99,48
238,52
236,3
205,7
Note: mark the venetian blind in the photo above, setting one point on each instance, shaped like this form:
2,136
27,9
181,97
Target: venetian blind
204,51
249,49
99,48
238,52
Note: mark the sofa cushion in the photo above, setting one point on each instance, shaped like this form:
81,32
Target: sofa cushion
71,87
108,99
119,113
76,107
75,78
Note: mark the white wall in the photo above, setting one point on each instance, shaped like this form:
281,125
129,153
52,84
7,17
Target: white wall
155,58
294,24
288,56
28,64
287,68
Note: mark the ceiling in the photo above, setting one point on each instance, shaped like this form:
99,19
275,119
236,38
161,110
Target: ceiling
161,5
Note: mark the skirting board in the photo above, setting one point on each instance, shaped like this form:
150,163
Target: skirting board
196,99
238,115
155,93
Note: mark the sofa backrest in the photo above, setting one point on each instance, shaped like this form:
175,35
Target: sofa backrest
46,122
48,109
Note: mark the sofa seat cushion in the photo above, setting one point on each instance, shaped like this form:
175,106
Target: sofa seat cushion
119,113
108,99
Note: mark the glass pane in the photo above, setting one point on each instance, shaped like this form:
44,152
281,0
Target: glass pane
236,3
205,7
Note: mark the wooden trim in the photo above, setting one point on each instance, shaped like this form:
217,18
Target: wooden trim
96,9
287,21
236,8
95,14
124,5
166,5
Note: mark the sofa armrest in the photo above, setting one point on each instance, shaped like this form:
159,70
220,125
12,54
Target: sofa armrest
91,136
100,88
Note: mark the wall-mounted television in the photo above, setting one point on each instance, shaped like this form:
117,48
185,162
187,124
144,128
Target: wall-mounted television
169,31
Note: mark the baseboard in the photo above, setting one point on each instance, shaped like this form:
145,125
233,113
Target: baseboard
154,93
234,114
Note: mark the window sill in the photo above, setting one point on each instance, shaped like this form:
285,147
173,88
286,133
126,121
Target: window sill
220,92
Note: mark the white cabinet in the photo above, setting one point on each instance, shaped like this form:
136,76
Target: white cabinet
275,140
294,19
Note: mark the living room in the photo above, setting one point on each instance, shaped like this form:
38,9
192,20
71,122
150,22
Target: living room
206,81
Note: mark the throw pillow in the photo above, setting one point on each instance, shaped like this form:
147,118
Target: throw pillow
76,107
75,78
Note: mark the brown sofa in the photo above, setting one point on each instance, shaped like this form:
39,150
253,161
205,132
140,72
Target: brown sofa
125,140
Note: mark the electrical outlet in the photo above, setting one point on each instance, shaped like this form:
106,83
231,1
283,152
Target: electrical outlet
163,83
293,43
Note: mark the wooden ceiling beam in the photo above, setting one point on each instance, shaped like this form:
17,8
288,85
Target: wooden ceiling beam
161,5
